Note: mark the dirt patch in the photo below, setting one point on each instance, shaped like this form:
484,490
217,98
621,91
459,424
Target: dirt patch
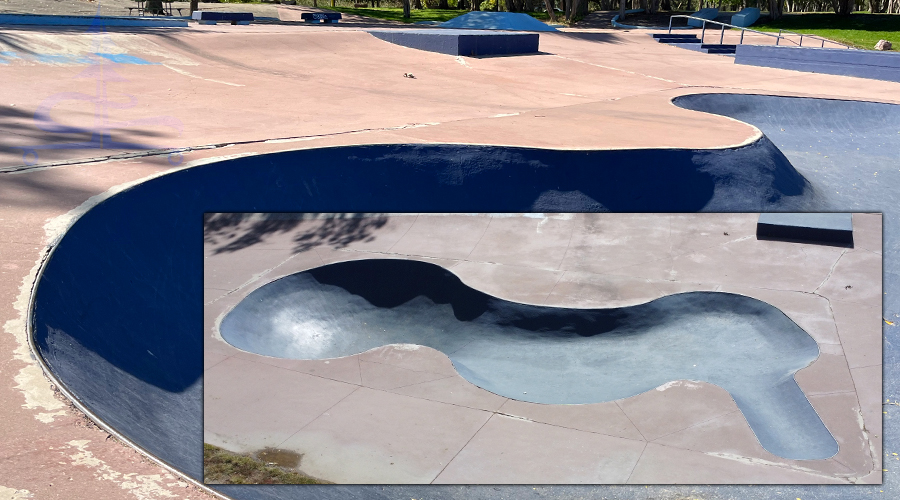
267,466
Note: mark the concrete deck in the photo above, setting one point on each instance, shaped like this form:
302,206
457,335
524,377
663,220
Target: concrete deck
592,89
399,414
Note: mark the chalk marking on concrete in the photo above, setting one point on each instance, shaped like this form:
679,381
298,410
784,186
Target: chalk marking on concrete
186,73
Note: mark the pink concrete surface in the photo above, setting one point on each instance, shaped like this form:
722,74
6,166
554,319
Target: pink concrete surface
209,87
680,432
265,88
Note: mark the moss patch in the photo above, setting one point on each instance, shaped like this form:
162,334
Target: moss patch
224,467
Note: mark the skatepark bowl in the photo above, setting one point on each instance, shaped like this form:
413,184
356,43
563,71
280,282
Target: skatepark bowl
115,312
546,355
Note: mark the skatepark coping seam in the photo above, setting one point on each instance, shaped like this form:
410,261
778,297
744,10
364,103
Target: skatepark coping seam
757,134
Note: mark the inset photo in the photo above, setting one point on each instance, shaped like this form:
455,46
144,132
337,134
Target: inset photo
538,348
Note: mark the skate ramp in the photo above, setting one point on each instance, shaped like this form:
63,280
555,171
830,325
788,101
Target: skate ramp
116,311
507,21
547,355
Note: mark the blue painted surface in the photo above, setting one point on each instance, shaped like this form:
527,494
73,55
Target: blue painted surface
462,42
205,15
709,14
321,16
847,62
76,59
745,17
125,59
510,21
822,228
547,355
61,59
117,311
47,20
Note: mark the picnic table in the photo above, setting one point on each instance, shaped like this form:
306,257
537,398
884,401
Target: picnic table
165,8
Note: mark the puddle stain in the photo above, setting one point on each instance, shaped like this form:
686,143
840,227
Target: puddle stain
282,458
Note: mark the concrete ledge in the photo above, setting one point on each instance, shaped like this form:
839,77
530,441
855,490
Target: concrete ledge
846,62
45,20
825,228
462,42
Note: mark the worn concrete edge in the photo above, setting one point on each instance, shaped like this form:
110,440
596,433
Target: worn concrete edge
55,229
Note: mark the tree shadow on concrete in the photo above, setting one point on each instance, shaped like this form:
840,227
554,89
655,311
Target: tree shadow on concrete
230,232
37,137
590,37
42,190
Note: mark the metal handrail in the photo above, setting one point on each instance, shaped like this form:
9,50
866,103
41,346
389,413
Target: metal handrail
778,37
812,36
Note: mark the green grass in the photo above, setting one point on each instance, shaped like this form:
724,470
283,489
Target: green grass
224,467
859,30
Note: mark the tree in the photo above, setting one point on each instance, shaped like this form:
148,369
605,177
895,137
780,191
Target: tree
548,4
154,7
844,7
442,4
195,5
776,7
574,8
406,9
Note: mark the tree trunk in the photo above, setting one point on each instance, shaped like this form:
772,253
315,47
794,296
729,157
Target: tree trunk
510,6
843,7
548,4
877,6
476,5
573,7
405,9
775,7
442,4
153,7
417,4
195,5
